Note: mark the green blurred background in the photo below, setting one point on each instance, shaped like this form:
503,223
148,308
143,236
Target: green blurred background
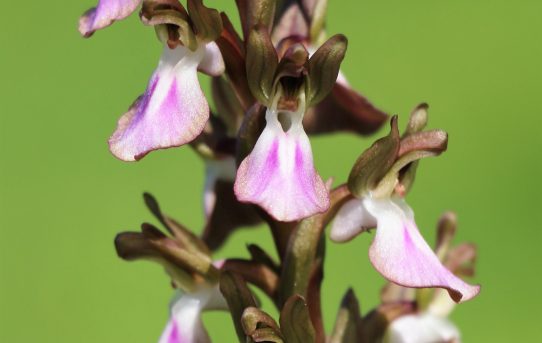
63,196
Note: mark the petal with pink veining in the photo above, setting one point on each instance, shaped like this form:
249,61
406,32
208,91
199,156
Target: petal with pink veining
172,111
104,14
351,220
279,174
401,255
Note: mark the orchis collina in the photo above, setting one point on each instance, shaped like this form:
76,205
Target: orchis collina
279,173
173,110
273,88
379,181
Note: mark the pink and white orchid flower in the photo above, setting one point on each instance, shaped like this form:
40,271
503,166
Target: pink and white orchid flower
173,110
281,164
398,251
185,324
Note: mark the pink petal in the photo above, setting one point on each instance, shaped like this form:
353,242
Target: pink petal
103,15
401,255
351,220
279,174
212,63
172,112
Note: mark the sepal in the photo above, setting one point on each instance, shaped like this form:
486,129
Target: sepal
261,64
323,68
375,162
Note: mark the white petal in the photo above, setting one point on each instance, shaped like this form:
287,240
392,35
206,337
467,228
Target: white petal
212,63
185,323
351,220
422,328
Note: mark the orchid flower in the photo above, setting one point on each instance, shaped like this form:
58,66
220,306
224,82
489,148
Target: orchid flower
378,182
187,261
185,324
173,110
279,174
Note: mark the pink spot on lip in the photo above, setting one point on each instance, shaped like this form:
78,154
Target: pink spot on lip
145,101
174,334
270,166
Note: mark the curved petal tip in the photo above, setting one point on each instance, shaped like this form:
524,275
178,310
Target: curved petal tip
104,14
402,256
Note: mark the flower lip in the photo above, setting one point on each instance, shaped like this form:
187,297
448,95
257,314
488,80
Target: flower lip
172,112
400,253
281,164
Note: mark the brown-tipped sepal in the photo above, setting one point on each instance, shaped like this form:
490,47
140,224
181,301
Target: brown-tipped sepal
206,22
375,162
261,64
324,67
254,13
